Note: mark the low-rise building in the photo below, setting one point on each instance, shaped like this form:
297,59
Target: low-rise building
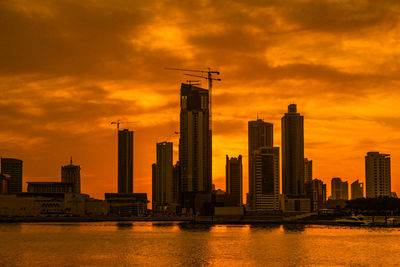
4,179
126,204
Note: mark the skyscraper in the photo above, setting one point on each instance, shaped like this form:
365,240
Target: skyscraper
266,170
13,167
307,171
339,189
293,153
194,142
163,186
357,190
234,178
71,174
125,161
260,134
377,175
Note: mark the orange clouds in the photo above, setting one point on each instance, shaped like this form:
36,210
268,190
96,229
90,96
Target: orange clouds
68,68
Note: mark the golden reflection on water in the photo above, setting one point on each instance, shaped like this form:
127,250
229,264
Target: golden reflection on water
184,244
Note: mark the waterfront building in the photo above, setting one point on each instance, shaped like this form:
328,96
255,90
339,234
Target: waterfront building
377,175
163,184
339,189
125,161
307,171
126,205
267,174
293,153
260,134
12,167
357,190
316,191
234,178
71,174
195,140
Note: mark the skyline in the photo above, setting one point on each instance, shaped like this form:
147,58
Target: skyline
64,99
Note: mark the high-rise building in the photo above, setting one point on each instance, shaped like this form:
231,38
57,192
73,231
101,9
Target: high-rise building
377,175
163,186
339,189
357,190
307,171
4,178
125,161
194,143
13,167
266,170
293,153
234,179
316,191
260,134
71,174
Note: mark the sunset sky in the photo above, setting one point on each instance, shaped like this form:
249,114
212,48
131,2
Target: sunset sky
69,68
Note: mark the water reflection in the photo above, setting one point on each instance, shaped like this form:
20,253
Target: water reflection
124,225
194,227
265,227
294,228
163,224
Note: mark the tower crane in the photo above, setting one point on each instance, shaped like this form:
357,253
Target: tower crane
118,122
205,74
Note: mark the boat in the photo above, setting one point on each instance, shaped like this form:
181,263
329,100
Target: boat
353,220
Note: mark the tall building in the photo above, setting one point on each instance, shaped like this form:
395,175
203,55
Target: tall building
163,186
316,191
293,153
12,167
266,170
125,161
377,175
339,189
71,174
234,179
307,171
260,134
195,143
357,190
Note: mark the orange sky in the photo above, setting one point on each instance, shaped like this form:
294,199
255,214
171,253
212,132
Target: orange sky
70,67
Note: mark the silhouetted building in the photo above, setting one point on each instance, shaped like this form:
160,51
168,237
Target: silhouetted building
126,205
234,178
195,143
125,161
339,189
50,187
357,190
12,167
293,153
316,191
266,170
377,175
163,186
307,171
176,182
260,134
4,178
71,174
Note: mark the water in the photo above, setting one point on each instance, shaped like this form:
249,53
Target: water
166,244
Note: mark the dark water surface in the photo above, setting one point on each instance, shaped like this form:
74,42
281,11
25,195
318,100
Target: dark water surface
166,244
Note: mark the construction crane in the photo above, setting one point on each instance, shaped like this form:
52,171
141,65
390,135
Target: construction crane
118,122
191,82
209,77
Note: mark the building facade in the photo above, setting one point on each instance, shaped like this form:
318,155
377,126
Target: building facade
234,179
195,140
357,190
260,134
13,167
316,191
293,153
163,183
125,161
307,171
4,178
377,175
339,189
71,174
266,170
